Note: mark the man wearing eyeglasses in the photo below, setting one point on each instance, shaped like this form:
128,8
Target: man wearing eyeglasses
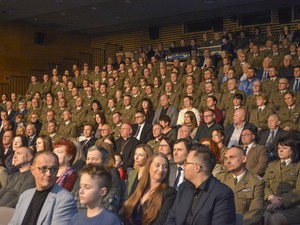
142,130
48,203
20,181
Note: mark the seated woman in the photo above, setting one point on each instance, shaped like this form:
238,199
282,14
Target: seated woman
66,153
158,87
127,87
19,141
100,121
3,171
283,186
141,155
90,117
165,121
119,99
148,110
109,139
20,119
153,198
44,143
215,149
34,118
189,119
218,136
259,117
79,161
166,146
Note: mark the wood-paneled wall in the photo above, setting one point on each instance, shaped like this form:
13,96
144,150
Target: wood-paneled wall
133,39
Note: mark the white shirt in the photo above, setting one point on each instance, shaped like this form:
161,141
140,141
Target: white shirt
140,131
239,177
235,137
249,147
180,119
287,162
270,135
181,178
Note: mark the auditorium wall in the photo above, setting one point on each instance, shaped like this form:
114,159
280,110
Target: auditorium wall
19,54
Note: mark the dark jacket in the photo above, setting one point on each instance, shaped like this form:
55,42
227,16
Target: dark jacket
86,146
230,128
146,134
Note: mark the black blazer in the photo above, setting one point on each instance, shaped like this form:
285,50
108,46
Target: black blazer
128,151
280,134
33,142
90,143
260,73
213,58
216,205
12,114
230,128
292,82
146,134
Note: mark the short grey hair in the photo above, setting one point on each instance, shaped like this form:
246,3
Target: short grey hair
288,56
267,58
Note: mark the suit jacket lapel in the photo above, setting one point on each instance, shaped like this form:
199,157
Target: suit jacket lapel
25,204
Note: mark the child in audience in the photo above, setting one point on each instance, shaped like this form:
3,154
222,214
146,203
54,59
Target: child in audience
95,183
118,165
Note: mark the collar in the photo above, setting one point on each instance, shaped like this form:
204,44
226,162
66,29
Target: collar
128,107
68,122
51,135
239,177
287,162
262,108
292,107
250,145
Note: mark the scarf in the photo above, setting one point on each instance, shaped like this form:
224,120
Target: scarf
62,178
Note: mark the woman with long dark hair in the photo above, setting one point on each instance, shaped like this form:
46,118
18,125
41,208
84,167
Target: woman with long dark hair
148,110
100,121
153,198
283,186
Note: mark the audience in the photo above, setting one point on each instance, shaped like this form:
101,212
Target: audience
43,143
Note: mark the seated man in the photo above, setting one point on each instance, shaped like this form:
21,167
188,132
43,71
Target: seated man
20,181
248,188
271,84
142,130
247,84
99,179
112,201
48,203
68,128
89,141
205,130
157,135
257,155
33,88
203,199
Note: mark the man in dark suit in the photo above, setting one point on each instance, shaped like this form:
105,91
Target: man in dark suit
4,117
207,54
257,155
89,140
287,69
264,73
270,137
142,130
166,109
295,82
10,111
32,136
126,145
7,141
203,199
22,110
234,131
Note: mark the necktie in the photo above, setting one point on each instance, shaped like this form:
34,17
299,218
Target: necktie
84,143
30,139
235,180
296,85
264,76
259,110
178,177
290,110
282,165
137,132
245,148
270,142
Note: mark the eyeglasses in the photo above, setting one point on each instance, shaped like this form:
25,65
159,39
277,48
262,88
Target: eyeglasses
163,146
103,129
44,170
207,116
138,117
186,163
16,141
245,135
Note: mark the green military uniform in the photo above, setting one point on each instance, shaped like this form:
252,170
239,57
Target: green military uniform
78,81
94,77
154,144
273,38
224,86
117,131
256,61
227,100
43,116
88,102
104,81
136,102
3,105
198,74
128,115
181,70
270,85
134,81
112,90
174,99
91,118
178,87
44,129
276,100
205,43
69,130
289,118
238,67
165,79
276,59
138,73
189,61
16,105
110,74
216,42
158,90
78,116
154,99
202,89
103,99
123,74
45,88
31,110
143,91
296,61
119,82
82,93
119,106
59,114
197,77
32,89
266,52
68,94
195,97
285,50
248,195
260,118
99,141
284,182
86,76
229,115
55,137
203,106
108,114
55,89
251,102
72,102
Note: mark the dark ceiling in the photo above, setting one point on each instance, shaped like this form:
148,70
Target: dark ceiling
93,17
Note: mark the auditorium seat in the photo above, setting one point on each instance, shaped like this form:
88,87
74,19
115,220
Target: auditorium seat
6,214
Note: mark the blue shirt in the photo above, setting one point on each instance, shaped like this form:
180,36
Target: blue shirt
246,86
106,217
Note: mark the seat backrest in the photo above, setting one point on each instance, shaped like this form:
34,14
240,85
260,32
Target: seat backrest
239,219
6,214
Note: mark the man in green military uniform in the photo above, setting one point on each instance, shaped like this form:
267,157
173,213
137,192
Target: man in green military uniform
103,97
174,97
88,100
271,84
119,81
256,58
276,56
238,67
72,102
62,106
208,76
95,76
210,91
112,88
138,73
248,188
153,97
33,88
50,118
49,106
157,134
82,92
68,128
176,84
227,98
270,35
46,86
276,99
176,63
52,128
128,112
56,87
34,108
79,113
86,74
117,119
193,56
237,104
251,99
68,90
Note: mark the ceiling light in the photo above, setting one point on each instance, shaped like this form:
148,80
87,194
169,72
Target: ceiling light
117,17
35,19
127,1
11,10
93,8
209,1
63,14
58,1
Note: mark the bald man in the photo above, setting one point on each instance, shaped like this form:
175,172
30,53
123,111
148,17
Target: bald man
234,131
126,145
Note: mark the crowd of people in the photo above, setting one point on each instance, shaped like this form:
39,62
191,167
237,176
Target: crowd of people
209,140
